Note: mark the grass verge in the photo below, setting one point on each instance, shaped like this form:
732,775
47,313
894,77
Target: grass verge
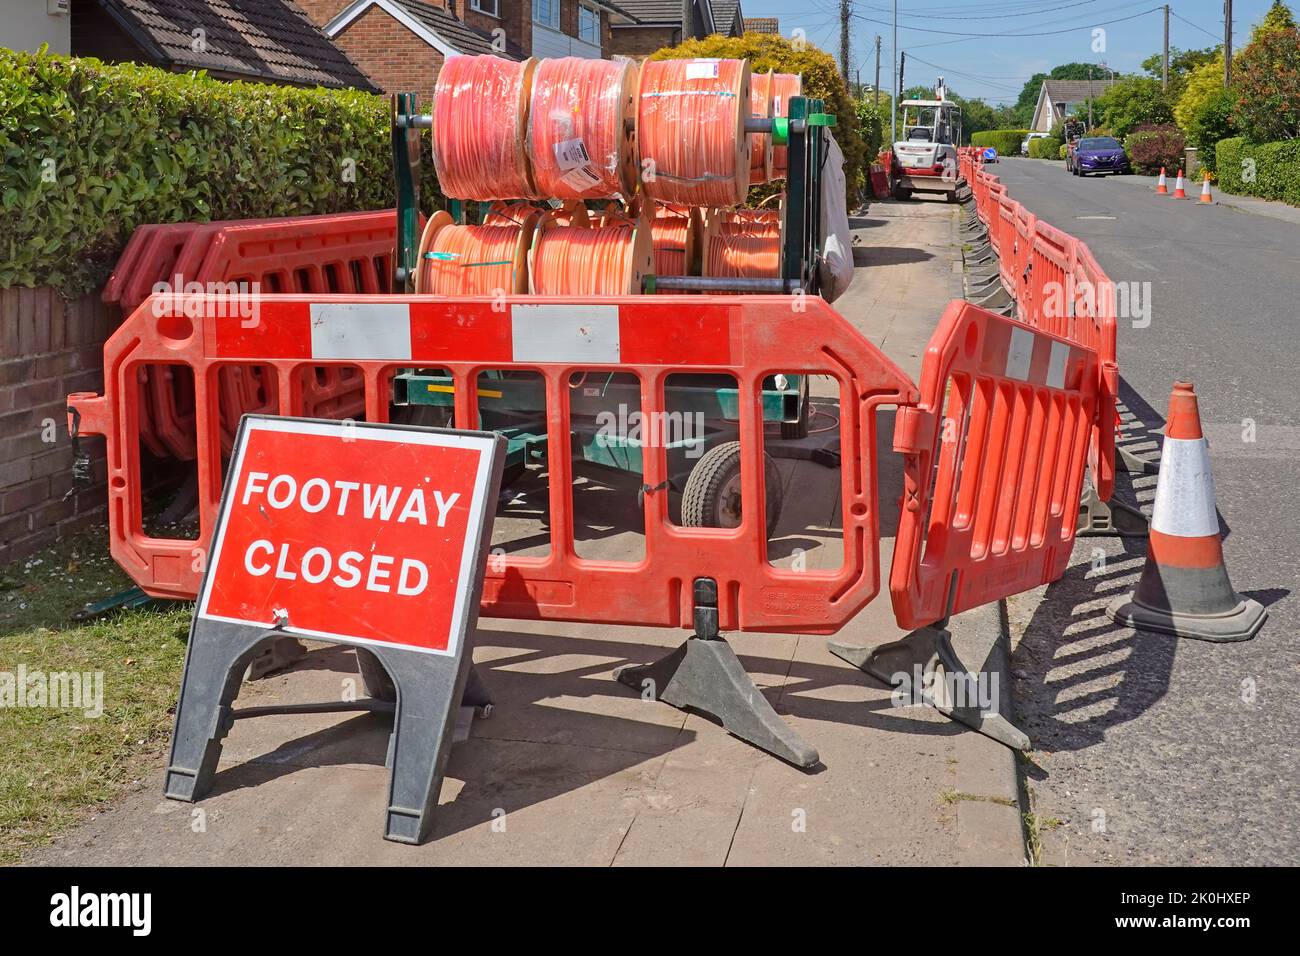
59,763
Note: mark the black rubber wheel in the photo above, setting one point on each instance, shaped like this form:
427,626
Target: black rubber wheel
712,495
374,677
901,193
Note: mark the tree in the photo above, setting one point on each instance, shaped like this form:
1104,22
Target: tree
1181,62
1266,84
1133,101
1278,18
1211,123
976,116
1202,83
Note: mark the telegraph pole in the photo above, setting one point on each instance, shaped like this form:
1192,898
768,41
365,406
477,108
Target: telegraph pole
844,40
877,74
893,100
1227,43
688,20
1164,78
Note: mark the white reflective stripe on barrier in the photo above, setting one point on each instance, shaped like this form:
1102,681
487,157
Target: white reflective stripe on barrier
1185,499
565,333
356,330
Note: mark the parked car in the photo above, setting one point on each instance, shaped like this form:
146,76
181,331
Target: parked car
1024,143
1097,154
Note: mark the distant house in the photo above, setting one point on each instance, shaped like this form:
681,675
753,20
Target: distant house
658,23
402,44
30,24
1058,98
271,41
762,25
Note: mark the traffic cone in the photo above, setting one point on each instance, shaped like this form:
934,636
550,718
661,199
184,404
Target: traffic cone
1184,589
1179,192
1162,189
1205,189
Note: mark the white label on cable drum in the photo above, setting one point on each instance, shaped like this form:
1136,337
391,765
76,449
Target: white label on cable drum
582,178
702,70
571,154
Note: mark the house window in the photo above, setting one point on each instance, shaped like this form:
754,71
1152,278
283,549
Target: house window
547,13
490,7
588,24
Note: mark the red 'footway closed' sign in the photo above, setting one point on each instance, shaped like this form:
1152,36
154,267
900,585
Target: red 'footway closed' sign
358,532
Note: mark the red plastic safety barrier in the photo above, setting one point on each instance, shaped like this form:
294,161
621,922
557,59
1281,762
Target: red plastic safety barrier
1058,287
749,338
345,252
994,461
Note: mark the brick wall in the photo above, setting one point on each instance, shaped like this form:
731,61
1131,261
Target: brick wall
391,55
322,12
48,348
516,19
640,41
95,33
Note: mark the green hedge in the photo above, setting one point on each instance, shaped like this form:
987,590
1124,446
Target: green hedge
1005,141
1044,148
91,150
1276,168
1062,151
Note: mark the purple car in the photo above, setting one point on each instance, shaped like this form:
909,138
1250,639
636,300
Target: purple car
1097,154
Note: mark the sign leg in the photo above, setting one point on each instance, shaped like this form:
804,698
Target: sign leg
429,689
214,668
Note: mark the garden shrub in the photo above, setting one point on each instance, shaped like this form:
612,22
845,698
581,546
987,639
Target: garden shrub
1005,141
1266,170
1154,146
89,151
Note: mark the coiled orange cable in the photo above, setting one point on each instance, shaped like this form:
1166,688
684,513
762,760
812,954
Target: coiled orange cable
479,107
472,260
691,132
751,257
784,86
751,222
671,233
572,260
578,145
760,100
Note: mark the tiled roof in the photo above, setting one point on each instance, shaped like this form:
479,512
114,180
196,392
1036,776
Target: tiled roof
654,11
462,38
762,25
1075,91
258,39
725,13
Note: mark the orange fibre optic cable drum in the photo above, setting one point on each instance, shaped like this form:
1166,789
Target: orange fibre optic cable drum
509,213
581,128
760,144
581,260
480,116
748,257
691,131
784,86
750,222
473,260
675,233
515,213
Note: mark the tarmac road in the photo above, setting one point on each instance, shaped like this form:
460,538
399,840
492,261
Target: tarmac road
1153,749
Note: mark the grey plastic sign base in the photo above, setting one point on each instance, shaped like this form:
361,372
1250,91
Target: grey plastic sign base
427,688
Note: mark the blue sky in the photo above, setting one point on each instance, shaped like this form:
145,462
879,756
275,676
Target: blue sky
996,67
